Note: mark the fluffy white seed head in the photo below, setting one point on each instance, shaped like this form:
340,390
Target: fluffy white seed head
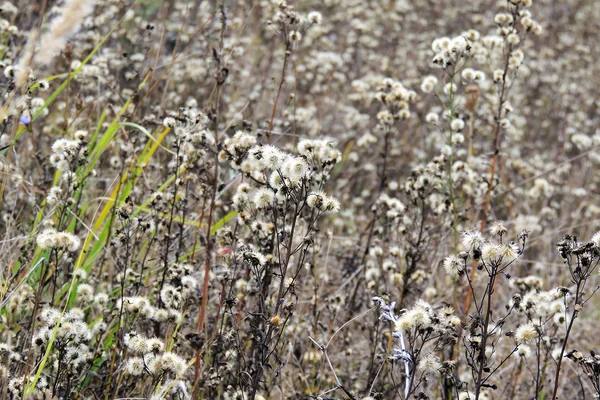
526,333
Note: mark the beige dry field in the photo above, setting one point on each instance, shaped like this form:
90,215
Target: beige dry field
336,199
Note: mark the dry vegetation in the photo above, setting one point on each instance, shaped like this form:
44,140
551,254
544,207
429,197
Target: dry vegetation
339,199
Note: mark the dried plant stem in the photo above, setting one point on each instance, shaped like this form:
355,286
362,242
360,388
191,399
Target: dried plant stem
450,164
207,261
338,384
492,174
484,334
220,80
288,53
566,339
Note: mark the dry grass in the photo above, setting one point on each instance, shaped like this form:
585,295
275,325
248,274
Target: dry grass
261,200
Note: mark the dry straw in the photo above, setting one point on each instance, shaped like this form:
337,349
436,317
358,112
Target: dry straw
61,28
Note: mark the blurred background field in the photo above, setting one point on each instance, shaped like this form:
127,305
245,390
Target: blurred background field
200,199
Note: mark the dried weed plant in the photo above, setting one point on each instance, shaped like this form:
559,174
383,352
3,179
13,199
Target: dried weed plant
299,200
